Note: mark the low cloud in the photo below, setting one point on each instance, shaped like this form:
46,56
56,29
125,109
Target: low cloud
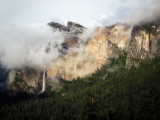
146,14
28,45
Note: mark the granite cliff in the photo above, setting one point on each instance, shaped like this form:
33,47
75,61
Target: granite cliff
144,44
80,58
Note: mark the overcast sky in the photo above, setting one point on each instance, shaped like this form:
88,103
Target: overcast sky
85,12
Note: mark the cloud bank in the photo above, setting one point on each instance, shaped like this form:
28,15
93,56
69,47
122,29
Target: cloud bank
27,45
146,14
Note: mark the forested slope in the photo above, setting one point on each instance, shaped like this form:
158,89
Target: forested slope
112,92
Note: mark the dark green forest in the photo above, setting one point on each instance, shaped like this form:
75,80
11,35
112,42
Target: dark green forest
107,94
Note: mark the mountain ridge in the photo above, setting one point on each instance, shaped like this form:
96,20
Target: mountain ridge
103,44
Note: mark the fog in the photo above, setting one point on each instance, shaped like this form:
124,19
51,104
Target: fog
146,14
25,45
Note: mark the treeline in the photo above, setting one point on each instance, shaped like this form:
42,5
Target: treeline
111,93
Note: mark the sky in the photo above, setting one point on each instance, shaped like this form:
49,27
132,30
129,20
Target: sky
85,12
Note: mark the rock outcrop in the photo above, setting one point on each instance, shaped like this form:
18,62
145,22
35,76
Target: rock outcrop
72,28
119,34
59,26
32,78
145,43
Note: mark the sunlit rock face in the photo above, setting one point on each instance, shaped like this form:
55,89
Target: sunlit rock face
81,63
145,44
95,53
120,34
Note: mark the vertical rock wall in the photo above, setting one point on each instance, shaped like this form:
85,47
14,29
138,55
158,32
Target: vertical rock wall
145,44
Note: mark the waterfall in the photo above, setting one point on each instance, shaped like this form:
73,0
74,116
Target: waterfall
44,82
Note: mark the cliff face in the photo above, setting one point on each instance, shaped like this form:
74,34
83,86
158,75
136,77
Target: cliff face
31,77
81,63
119,34
145,43
80,58
95,53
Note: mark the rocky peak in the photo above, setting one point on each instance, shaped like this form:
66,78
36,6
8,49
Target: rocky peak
73,24
58,26
72,32
75,29
72,28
